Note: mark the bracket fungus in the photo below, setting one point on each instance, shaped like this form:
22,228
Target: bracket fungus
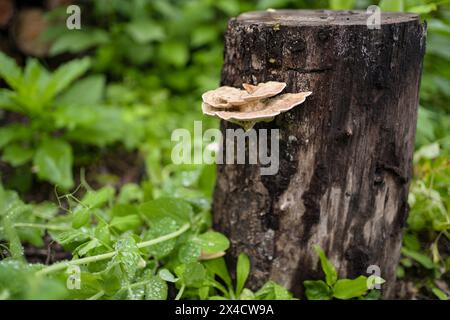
254,104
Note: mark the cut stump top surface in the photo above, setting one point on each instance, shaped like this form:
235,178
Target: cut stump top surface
321,17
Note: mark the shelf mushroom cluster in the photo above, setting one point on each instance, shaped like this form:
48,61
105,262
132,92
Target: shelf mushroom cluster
254,104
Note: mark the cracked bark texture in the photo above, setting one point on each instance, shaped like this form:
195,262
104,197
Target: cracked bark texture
345,154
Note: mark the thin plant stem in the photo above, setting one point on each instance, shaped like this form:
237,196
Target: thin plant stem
62,265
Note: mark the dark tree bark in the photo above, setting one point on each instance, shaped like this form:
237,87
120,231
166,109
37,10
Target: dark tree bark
345,154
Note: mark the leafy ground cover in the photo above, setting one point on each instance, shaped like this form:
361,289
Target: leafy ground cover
86,171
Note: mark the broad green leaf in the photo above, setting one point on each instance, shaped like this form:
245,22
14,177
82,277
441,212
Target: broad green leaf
13,133
174,53
144,31
317,290
419,257
439,293
350,288
17,155
127,257
159,229
75,41
98,198
10,71
124,223
53,162
342,4
129,193
242,272
81,217
122,210
21,282
192,274
212,242
156,289
327,266
392,5
8,100
176,209
189,252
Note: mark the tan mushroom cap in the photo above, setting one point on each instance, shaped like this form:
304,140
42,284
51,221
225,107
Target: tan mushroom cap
225,97
263,90
259,110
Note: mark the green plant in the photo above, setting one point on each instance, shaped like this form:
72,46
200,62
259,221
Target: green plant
56,112
125,248
333,287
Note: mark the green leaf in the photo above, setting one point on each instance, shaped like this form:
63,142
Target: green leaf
75,41
192,274
81,217
96,199
350,288
15,247
17,155
272,291
13,133
317,290
8,100
129,193
423,9
392,5
242,272
176,209
87,91
62,77
166,275
156,289
86,247
174,53
144,31
159,229
342,4
189,252
212,242
327,266
124,223
439,293
10,71
419,257
127,257
53,162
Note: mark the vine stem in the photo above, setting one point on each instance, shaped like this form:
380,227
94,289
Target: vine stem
180,293
62,265
40,226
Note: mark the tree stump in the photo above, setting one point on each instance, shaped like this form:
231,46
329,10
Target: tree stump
345,154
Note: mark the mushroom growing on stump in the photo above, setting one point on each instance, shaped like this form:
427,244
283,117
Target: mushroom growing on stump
344,155
254,104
